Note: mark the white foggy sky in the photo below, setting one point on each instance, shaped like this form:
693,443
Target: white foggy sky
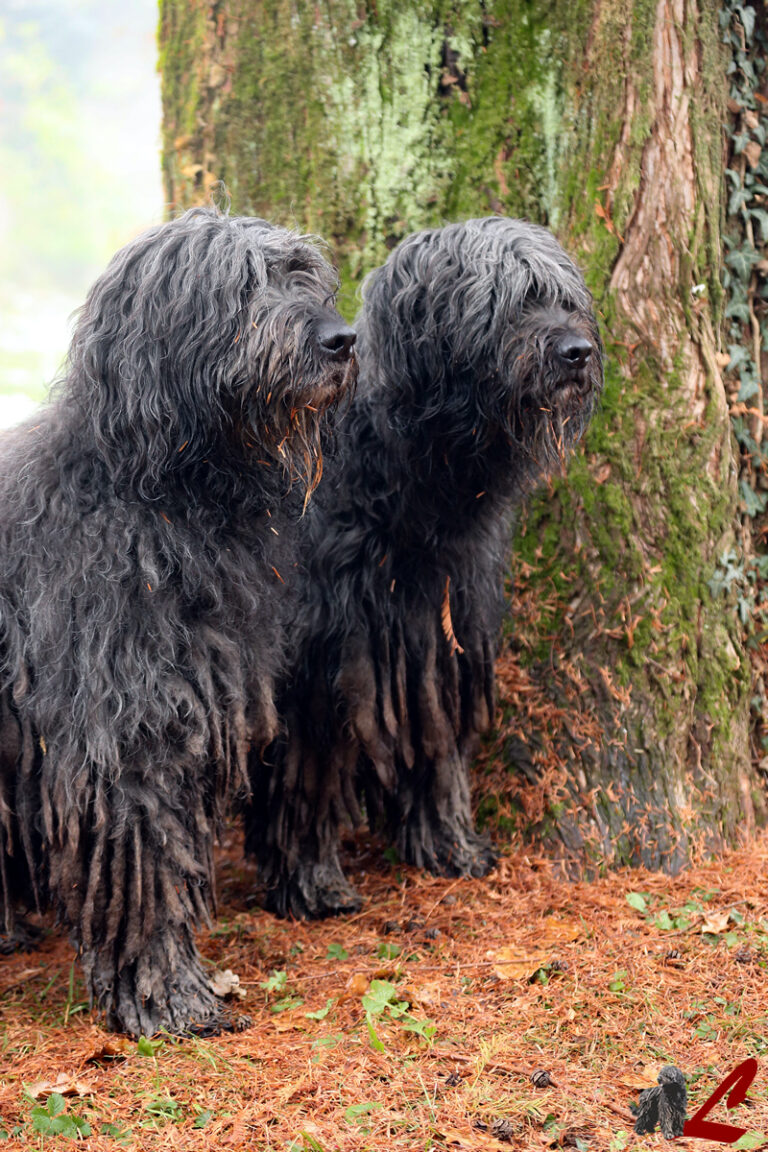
80,143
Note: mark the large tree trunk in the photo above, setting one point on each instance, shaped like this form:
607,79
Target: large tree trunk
604,121
660,765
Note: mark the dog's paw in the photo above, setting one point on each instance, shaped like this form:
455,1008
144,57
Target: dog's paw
447,851
150,996
225,1020
24,936
313,893
194,1014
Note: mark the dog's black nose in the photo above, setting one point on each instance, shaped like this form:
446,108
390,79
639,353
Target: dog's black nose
336,339
575,350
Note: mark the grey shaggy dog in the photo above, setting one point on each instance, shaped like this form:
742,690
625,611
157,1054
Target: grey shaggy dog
480,365
663,1106
142,591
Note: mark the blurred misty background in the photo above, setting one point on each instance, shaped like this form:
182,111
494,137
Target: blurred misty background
80,163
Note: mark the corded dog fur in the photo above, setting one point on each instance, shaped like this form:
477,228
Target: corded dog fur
480,364
145,562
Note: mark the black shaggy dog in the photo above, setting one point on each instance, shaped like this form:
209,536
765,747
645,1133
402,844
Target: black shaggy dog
480,364
141,577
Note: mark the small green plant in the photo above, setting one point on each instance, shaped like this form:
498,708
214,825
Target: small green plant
286,1003
751,1140
72,1006
164,1108
278,982
42,994
147,1047
122,1136
670,919
387,951
275,982
380,1002
336,952
52,1119
202,1118
305,1143
328,1042
618,983
637,901
704,1030
321,1013
355,1112
359,1113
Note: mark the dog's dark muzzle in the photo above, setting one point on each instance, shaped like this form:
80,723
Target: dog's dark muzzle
574,351
336,340
575,354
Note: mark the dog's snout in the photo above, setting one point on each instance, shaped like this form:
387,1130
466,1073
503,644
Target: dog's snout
575,350
336,339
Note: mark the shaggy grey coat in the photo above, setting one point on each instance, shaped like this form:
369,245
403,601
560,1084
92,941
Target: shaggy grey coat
144,563
480,365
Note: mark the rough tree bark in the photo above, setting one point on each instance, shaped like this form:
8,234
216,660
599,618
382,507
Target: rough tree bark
602,119
651,506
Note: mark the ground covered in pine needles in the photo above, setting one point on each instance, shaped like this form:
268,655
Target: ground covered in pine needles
519,1011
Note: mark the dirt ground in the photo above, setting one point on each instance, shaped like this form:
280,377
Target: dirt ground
519,1011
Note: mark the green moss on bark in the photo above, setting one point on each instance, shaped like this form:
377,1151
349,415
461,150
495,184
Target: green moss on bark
360,124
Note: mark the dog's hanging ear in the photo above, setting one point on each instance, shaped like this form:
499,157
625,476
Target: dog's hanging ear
149,347
426,312
395,322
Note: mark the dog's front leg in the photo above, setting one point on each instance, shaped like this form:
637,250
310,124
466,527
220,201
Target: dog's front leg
131,871
293,822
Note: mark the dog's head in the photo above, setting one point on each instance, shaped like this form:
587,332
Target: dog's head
212,340
488,329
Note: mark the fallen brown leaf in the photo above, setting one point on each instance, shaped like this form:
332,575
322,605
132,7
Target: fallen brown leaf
647,1077
357,985
116,1048
556,931
715,923
428,995
519,963
226,983
63,1084
476,1141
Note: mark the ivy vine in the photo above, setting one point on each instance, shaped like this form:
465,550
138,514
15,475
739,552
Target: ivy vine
745,278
